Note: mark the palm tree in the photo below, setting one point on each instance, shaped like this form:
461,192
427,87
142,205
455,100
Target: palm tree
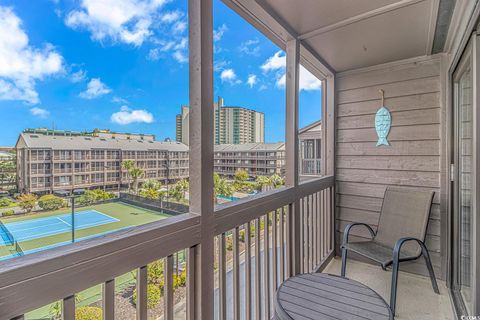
128,165
277,181
262,182
136,173
221,187
183,186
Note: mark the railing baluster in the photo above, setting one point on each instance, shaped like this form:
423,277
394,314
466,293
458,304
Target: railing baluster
257,269
222,279
274,251
142,293
288,241
108,300
266,267
248,272
301,235
319,227
236,276
191,279
282,244
315,231
68,308
310,233
325,227
168,288
331,217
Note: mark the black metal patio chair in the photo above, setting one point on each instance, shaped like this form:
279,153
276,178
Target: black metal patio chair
400,235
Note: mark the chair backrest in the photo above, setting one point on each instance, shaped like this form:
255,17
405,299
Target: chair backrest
404,213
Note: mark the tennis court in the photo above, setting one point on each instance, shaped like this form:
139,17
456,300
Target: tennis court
44,227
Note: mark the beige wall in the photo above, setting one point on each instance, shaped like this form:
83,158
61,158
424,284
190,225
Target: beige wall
412,92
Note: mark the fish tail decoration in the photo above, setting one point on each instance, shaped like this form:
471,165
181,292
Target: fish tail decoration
382,141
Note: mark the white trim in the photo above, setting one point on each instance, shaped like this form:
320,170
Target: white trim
432,26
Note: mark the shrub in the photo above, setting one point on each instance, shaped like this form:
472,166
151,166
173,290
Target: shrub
5,202
154,295
27,201
88,313
8,213
150,193
93,196
180,280
51,202
151,184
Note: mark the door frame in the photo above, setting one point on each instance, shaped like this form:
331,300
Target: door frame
472,49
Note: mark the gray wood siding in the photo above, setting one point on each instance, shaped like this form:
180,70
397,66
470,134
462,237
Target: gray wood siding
363,171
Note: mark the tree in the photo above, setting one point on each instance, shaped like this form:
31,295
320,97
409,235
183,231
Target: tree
150,193
221,187
241,175
128,165
262,182
50,202
151,184
277,181
27,201
136,173
183,186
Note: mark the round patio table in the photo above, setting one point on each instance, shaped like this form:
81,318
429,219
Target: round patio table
326,296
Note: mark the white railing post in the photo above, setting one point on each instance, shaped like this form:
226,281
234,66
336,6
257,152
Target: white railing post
291,147
201,135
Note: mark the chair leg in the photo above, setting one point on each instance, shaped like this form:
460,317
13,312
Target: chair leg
426,255
344,261
393,292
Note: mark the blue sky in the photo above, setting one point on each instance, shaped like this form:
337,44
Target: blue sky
123,65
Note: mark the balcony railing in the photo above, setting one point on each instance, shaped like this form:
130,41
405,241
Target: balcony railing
283,230
267,222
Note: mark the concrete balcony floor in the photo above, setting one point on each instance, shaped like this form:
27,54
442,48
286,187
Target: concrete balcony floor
415,298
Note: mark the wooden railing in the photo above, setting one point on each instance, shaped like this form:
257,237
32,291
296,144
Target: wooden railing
261,226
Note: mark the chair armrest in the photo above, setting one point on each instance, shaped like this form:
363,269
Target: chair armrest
346,232
400,242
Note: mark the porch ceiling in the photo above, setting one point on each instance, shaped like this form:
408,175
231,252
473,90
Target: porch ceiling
352,34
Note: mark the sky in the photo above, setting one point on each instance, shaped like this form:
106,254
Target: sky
123,65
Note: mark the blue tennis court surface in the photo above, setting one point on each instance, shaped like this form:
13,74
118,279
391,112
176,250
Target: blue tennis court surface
44,227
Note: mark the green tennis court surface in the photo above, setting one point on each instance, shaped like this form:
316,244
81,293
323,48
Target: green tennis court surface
39,231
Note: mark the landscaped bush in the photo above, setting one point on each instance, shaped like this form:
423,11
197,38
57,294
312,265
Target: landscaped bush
88,313
27,201
5,202
180,280
51,202
92,196
154,295
8,213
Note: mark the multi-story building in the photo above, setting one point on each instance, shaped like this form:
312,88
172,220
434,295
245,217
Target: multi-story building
258,159
310,138
60,160
233,125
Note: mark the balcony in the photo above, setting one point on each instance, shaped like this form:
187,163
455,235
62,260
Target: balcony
230,248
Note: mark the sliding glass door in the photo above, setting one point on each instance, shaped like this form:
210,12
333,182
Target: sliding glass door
465,221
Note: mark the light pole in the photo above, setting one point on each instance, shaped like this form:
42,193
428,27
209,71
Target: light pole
167,166
72,197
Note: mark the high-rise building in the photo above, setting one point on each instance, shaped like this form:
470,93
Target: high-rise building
233,124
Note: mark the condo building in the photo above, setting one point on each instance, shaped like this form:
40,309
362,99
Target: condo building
310,138
49,161
233,124
258,159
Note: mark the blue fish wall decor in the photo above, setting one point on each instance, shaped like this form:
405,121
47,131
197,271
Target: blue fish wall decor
383,122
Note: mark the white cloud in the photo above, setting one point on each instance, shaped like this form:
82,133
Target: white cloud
172,16
250,47
218,34
278,61
180,56
219,65
252,80
179,27
78,76
127,21
20,64
229,75
127,116
119,100
153,54
39,112
275,62
95,88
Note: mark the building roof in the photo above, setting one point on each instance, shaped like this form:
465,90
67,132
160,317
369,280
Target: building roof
277,146
314,126
42,141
